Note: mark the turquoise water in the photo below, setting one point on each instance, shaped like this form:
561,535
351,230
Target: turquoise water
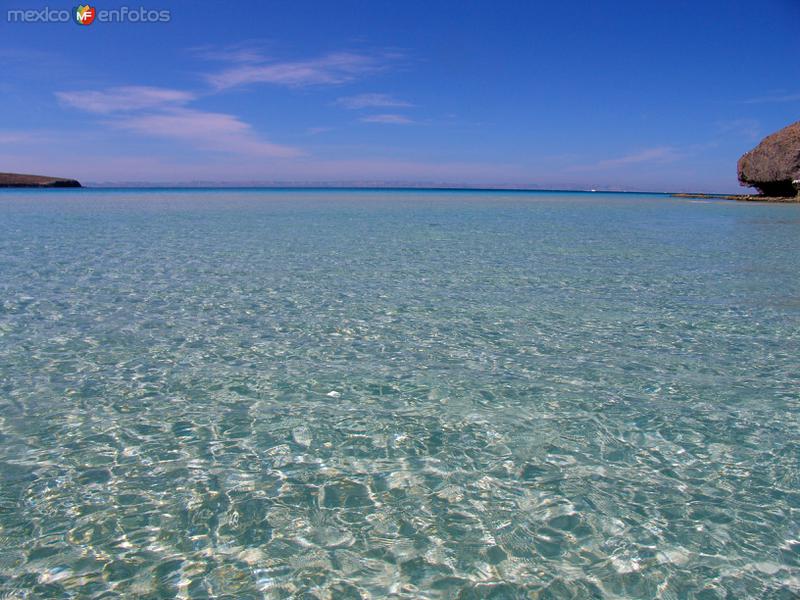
344,394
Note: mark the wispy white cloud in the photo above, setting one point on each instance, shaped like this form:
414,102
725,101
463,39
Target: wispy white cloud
648,156
318,130
388,119
206,130
161,112
18,137
332,69
661,154
749,128
242,52
775,98
371,101
125,99
75,161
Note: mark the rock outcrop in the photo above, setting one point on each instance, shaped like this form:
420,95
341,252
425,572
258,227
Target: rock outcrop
773,167
18,180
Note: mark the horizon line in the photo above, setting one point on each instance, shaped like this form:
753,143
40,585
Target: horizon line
289,186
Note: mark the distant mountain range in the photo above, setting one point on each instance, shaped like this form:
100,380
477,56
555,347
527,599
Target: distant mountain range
355,184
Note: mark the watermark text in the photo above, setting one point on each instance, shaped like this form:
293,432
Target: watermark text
86,15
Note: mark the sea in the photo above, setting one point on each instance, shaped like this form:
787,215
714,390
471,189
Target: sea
360,393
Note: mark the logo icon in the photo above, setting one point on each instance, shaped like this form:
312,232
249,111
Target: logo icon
84,14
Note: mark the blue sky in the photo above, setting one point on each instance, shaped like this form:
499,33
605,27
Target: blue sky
571,94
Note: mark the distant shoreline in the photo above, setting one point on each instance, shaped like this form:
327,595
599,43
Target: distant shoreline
741,197
21,180
374,188
13,181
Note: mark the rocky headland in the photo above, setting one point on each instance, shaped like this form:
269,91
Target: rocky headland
773,167
36,181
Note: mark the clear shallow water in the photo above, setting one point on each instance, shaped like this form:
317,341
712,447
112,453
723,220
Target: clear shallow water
409,395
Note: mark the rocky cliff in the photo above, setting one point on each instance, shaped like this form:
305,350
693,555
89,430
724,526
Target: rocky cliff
773,166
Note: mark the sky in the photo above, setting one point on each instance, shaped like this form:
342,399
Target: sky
623,94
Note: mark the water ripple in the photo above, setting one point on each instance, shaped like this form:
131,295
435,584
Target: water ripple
257,396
